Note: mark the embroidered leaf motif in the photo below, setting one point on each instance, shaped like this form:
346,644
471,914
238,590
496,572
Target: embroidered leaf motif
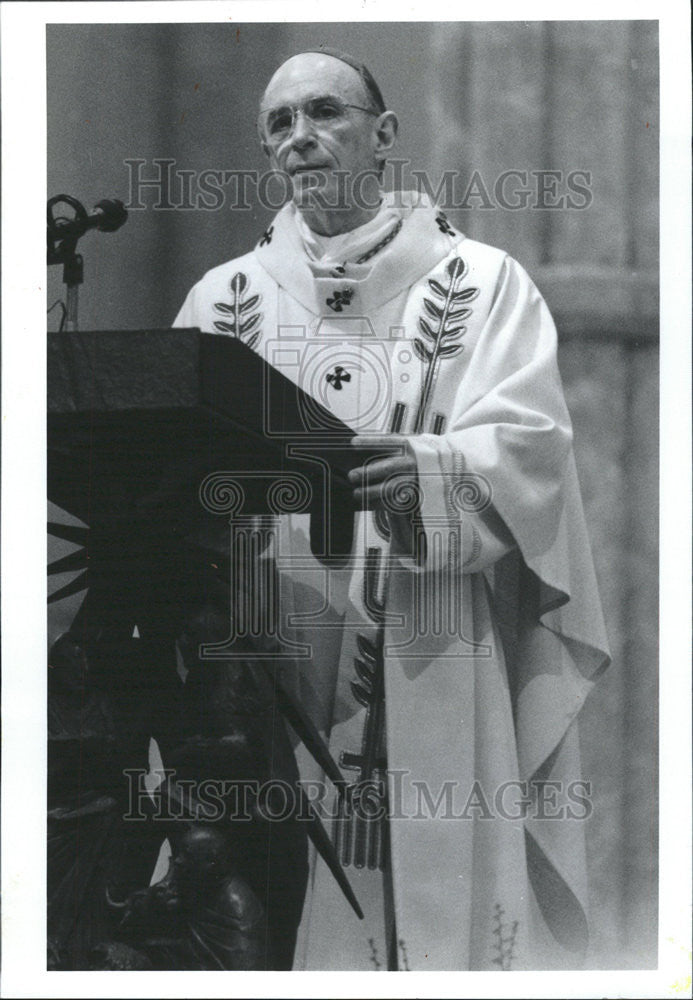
426,329
364,672
238,284
466,295
369,692
362,696
447,350
456,314
224,327
437,288
249,324
361,843
242,322
249,303
366,649
432,309
456,269
421,351
453,332
504,935
447,326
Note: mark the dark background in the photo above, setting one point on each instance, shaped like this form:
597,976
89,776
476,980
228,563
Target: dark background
478,96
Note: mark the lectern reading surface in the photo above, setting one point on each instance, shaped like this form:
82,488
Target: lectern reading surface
137,420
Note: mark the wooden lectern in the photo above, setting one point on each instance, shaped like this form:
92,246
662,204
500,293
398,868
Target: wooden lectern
152,433
137,420
158,441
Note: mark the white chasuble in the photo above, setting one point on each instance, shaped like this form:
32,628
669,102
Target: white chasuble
446,661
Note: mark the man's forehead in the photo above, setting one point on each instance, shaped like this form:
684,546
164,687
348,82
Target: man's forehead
312,74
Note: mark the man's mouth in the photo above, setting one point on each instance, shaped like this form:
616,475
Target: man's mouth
308,169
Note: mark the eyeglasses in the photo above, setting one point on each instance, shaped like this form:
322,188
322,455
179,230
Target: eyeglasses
322,113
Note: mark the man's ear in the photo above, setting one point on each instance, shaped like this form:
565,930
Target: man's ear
263,145
386,128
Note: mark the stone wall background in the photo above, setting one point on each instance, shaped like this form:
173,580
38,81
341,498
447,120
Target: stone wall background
471,97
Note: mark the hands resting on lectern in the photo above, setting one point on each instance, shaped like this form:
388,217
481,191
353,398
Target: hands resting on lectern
381,481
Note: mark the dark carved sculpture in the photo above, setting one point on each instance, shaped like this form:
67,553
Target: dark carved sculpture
202,915
236,741
230,772
89,844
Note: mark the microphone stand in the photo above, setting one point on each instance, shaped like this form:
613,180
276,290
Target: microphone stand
73,276
62,249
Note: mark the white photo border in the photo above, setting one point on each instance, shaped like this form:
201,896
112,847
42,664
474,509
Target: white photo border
24,516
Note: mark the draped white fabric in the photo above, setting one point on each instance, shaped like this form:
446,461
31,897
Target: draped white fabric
455,336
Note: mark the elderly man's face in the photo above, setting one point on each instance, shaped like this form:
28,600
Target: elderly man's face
312,151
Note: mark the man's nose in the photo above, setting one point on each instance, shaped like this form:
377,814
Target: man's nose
302,133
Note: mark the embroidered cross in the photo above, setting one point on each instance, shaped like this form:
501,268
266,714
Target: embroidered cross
340,298
267,236
444,225
338,376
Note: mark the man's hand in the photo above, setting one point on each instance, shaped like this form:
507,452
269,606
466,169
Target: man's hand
398,465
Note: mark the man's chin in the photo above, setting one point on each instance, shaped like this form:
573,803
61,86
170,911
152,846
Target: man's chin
308,183
315,191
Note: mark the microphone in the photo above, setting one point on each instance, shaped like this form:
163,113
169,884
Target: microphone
62,235
107,216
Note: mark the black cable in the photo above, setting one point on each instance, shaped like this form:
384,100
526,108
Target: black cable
59,302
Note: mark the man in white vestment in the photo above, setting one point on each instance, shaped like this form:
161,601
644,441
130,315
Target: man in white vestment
446,661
